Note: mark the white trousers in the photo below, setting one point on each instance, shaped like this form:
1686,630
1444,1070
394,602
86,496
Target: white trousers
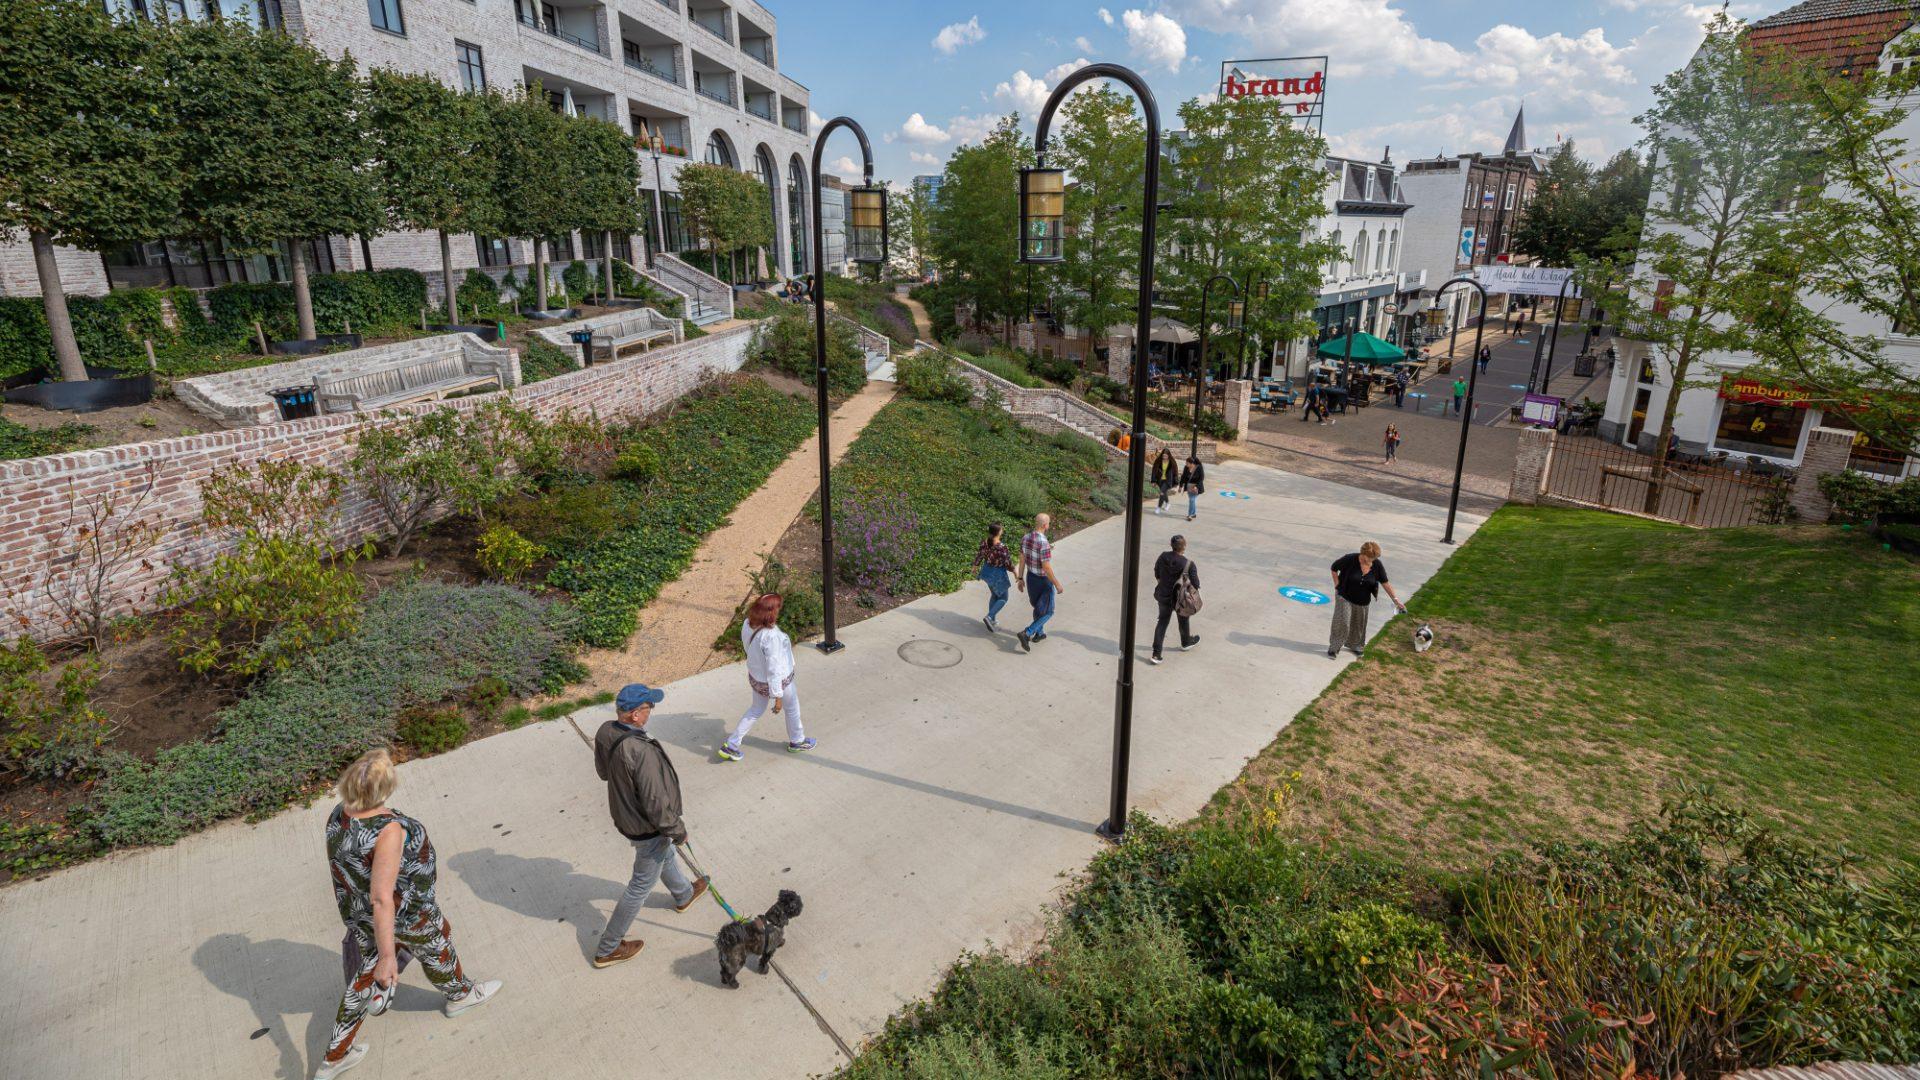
790,707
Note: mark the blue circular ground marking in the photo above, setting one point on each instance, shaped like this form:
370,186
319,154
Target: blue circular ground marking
1516,386
1234,495
1304,596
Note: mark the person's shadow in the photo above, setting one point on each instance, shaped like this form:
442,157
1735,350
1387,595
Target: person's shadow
550,890
282,981
1238,637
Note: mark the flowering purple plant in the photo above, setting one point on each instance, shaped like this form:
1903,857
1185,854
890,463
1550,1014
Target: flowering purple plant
878,536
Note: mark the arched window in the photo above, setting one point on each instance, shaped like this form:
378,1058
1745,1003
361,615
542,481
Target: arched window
797,216
1360,254
1393,250
1333,264
764,171
718,152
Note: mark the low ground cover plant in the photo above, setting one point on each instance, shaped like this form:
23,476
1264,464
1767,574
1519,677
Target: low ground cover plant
873,305
19,441
785,342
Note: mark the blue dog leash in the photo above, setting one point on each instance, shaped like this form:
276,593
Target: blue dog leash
685,848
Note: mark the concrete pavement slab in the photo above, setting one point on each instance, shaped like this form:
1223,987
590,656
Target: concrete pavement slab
940,813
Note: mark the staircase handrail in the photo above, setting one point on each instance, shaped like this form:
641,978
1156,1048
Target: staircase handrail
711,291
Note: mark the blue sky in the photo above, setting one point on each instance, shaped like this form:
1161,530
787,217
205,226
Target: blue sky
1421,76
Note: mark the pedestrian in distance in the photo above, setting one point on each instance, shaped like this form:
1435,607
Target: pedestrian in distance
1176,587
643,797
994,563
1193,481
383,869
1315,405
1459,395
1166,472
1400,381
1392,441
1042,584
770,672
1485,358
1357,579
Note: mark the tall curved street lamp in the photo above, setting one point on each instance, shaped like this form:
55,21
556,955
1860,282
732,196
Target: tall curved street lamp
1545,377
1258,288
866,244
1466,408
1236,311
1042,208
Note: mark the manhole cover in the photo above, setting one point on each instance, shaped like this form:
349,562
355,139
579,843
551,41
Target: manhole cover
930,654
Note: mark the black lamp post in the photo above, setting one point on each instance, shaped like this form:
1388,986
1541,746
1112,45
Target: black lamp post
1042,207
1236,309
1257,289
866,244
659,217
1559,302
1466,409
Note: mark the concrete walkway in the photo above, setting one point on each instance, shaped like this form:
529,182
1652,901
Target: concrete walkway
938,815
677,630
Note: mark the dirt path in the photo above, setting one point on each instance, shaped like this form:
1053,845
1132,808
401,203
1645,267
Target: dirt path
922,322
677,630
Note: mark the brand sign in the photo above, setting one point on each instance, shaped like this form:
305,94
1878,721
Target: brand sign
1298,81
1526,280
1754,392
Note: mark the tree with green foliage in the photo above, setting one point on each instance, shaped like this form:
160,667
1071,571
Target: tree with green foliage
727,209
536,173
86,156
273,137
433,165
610,187
1102,145
1728,141
1581,213
1246,187
977,221
908,221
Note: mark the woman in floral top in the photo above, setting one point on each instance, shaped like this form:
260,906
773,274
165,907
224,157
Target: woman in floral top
383,873
995,565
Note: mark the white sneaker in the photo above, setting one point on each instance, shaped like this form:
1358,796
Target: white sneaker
327,1072
476,997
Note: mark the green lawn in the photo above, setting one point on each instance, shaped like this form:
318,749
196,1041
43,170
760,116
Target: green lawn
1588,665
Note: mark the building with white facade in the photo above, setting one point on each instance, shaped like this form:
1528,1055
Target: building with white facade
1720,410
702,75
1364,216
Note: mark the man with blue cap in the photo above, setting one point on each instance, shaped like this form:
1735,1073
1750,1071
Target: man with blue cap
643,795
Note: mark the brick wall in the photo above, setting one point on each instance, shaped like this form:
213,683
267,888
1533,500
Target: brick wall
1828,451
35,493
81,272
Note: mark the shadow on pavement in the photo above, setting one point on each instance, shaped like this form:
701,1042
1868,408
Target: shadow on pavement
1266,641
1015,616
279,979
544,889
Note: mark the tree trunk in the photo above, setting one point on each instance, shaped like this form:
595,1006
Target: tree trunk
302,296
446,277
53,296
606,263
540,272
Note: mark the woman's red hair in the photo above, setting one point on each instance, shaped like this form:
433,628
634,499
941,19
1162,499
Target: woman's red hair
765,611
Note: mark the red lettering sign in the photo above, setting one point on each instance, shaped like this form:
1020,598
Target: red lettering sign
1312,86
1754,392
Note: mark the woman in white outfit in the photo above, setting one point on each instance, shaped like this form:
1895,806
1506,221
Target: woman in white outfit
770,674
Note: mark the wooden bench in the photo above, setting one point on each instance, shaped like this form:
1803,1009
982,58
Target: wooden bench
426,377
643,327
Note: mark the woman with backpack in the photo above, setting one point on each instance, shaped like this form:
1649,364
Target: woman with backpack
994,563
1193,481
1176,585
1165,472
770,675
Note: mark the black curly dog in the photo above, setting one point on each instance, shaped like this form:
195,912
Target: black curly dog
763,934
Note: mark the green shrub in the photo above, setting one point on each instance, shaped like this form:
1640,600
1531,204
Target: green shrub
570,519
432,730
637,463
541,360
1083,449
417,643
49,731
108,329
802,612
479,298
785,342
1017,496
1007,368
505,555
1056,369
578,282
930,376
938,301
23,442
1858,497
487,696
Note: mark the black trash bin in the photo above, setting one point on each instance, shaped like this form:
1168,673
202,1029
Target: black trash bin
1583,365
584,339
295,402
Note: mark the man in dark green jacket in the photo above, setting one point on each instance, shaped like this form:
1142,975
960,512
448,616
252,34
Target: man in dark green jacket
643,796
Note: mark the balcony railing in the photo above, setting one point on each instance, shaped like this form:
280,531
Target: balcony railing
759,49
554,31
761,110
719,31
671,5
704,88
796,122
641,63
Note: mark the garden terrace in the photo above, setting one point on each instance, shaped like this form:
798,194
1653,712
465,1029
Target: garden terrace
235,398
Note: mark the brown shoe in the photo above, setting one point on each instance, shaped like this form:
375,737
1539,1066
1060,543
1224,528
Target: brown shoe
628,950
699,888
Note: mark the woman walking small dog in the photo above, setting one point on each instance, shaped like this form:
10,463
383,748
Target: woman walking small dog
770,676
1165,473
994,563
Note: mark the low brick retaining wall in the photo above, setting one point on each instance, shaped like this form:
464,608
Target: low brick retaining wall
35,493
238,398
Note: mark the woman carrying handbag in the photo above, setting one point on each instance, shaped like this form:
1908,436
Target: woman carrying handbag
1176,585
1193,481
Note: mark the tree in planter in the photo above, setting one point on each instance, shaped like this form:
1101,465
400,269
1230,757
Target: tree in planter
433,165
610,195
1103,147
86,156
274,140
978,210
1728,142
537,173
725,208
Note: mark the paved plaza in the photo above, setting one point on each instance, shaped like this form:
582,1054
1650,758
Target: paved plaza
939,814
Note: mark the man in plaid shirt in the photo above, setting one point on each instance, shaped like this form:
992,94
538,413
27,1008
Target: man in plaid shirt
1036,559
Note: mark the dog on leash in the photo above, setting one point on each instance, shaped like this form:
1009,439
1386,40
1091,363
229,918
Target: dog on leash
763,934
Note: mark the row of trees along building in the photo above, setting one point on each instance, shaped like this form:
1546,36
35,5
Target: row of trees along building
118,131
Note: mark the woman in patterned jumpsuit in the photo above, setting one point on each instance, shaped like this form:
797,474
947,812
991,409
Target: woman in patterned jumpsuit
383,873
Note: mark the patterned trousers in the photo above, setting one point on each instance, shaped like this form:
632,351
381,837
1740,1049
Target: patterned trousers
430,937
1349,626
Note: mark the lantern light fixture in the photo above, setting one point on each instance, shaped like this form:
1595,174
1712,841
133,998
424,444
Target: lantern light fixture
1043,211
1236,314
867,224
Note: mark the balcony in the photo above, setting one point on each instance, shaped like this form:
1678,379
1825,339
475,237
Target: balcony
643,48
754,40
761,100
586,100
713,79
717,21
793,115
575,25
671,127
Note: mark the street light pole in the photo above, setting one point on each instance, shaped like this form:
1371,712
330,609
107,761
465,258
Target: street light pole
1046,248
659,216
1256,290
1466,411
830,641
1200,369
1559,303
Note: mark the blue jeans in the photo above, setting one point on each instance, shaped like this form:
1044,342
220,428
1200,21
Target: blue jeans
1193,504
998,584
653,860
1040,591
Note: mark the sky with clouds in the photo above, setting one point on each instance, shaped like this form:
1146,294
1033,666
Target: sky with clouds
1420,76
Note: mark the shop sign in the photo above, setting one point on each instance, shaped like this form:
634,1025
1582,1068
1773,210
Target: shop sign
1754,392
1526,280
1298,81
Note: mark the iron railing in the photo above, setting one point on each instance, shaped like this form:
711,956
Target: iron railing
720,31
641,63
700,87
1689,489
554,31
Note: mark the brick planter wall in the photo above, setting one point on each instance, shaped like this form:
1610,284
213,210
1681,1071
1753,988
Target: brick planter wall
35,492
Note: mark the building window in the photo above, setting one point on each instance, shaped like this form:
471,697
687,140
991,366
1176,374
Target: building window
386,16
1467,203
718,152
560,247
1512,191
1393,250
1333,264
1360,254
473,69
797,215
493,251
1770,430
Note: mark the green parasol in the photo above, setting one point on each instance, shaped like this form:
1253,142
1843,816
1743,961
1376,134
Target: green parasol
1367,349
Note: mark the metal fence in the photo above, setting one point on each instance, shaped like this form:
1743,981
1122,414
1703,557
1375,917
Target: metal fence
1690,491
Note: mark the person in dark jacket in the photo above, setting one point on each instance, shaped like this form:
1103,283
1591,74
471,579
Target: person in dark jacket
643,795
1193,481
1168,570
1165,472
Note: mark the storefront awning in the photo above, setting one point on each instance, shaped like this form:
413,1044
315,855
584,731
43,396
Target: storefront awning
1367,349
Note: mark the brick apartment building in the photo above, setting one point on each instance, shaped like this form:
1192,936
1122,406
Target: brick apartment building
703,75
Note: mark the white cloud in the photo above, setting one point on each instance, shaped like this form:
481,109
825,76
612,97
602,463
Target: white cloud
1155,38
815,121
846,168
1027,93
1083,44
953,37
1106,16
972,129
1060,71
918,130
919,158
1359,35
